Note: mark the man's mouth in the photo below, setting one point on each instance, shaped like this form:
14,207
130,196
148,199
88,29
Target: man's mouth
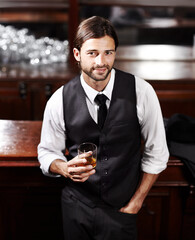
101,70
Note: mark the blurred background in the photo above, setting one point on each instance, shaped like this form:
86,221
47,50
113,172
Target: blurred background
156,43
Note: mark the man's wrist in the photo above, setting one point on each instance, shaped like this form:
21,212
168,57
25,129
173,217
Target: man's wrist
56,167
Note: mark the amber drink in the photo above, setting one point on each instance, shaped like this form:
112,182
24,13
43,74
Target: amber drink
86,147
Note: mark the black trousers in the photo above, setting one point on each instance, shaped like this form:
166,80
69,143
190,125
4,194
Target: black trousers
82,222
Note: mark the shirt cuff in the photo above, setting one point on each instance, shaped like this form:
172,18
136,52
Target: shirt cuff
46,162
154,166
153,169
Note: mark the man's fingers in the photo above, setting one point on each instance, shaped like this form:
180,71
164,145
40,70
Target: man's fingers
80,180
81,177
76,162
79,160
84,155
80,169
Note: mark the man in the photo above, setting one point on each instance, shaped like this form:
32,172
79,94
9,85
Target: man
102,203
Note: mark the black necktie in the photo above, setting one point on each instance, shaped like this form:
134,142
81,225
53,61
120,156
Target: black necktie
100,99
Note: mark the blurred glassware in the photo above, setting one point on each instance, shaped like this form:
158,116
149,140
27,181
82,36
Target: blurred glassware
19,46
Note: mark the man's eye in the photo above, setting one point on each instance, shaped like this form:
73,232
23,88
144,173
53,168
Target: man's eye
92,53
109,52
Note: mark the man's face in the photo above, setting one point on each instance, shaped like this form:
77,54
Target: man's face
96,58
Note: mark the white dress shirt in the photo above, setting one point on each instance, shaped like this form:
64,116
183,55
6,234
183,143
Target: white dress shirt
53,133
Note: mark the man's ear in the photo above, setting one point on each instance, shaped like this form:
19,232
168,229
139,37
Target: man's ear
76,53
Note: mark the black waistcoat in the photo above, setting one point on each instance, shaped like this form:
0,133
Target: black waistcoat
118,163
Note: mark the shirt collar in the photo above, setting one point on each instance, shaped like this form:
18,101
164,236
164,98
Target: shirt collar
91,93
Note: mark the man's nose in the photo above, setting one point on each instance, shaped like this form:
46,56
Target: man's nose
100,60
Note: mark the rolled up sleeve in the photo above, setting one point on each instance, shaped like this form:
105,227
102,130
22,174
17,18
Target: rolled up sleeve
155,154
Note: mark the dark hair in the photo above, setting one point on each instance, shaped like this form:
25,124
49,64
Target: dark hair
94,27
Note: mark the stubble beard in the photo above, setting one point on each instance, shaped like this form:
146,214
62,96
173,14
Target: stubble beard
97,77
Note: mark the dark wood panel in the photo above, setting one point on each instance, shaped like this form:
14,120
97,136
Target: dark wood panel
152,210
19,4
13,105
143,3
26,89
35,16
177,101
30,213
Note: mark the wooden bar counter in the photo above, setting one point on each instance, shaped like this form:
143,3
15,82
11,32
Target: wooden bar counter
18,143
30,201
